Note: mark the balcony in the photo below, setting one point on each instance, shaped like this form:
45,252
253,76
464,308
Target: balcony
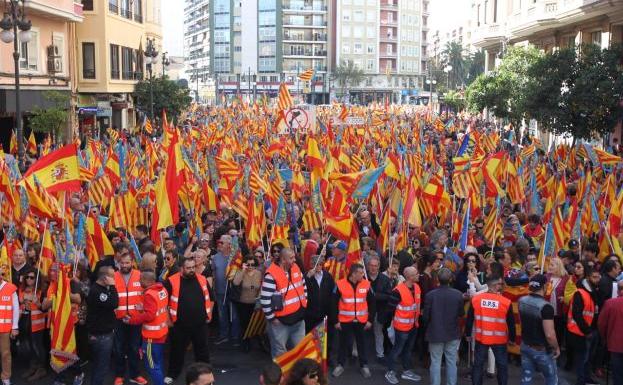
306,38
287,22
390,55
389,6
300,8
305,53
390,39
539,16
390,22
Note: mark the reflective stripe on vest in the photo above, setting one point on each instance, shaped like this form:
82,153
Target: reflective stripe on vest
175,293
408,309
7,290
588,313
353,305
490,311
130,294
292,288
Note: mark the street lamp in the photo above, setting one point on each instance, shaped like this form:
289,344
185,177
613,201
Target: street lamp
430,95
14,18
165,62
151,56
447,70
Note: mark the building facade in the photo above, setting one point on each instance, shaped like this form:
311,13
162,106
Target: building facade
387,40
110,45
46,62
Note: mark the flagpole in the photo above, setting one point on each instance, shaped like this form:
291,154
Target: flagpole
543,248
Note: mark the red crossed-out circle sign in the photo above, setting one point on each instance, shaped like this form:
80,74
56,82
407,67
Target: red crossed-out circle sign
297,118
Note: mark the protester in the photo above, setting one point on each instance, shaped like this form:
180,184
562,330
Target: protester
443,307
33,320
248,282
381,286
306,372
199,373
271,374
190,309
539,346
9,327
609,324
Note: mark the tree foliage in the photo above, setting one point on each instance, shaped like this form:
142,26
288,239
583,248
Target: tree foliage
455,101
503,91
347,74
53,119
168,96
577,92
475,66
453,55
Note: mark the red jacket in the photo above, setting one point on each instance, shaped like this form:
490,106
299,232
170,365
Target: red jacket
609,324
150,307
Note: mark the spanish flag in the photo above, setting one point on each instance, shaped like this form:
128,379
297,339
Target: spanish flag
312,346
63,352
57,171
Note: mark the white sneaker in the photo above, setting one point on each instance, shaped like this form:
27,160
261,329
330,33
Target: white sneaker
391,377
168,380
337,371
365,372
410,375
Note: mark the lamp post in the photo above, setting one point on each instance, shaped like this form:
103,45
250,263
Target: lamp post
447,70
14,18
430,96
150,59
165,63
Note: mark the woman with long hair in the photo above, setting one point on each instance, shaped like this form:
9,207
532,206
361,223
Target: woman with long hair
579,273
306,372
554,293
32,324
248,282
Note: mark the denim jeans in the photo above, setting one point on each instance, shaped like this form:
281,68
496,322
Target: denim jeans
101,350
226,310
154,361
533,361
402,348
501,363
616,365
127,342
349,331
438,349
379,338
284,337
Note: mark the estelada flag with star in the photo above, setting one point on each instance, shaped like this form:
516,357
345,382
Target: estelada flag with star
57,171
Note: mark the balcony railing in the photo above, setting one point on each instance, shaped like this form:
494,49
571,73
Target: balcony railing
127,13
113,8
127,75
88,73
138,18
114,74
304,24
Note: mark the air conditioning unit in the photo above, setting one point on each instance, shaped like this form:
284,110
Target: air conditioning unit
55,60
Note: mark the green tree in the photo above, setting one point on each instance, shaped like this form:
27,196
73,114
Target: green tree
455,101
51,120
577,92
503,91
475,66
347,74
167,94
453,55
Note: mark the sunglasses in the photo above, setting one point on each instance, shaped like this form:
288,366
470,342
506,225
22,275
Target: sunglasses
471,261
252,265
30,277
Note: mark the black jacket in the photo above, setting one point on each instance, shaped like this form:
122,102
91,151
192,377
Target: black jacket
319,298
382,287
442,309
101,304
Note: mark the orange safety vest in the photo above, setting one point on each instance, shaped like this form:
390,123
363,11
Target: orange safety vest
37,317
408,309
130,295
292,289
7,290
157,328
490,310
175,295
353,304
588,313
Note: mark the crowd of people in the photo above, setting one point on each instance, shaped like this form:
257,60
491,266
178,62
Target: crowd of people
407,265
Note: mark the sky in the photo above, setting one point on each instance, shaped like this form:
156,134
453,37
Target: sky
448,14
173,26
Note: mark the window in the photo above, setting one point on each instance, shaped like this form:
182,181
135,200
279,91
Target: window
114,61
370,65
370,32
88,60
138,11
596,38
485,14
358,48
370,48
358,31
29,53
87,5
478,15
346,15
127,64
346,49
345,31
138,65
358,16
371,16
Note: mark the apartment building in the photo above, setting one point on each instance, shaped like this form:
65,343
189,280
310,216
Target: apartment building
387,40
111,43
46,61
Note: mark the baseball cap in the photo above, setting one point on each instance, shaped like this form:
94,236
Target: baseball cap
342,245
573,243
537,282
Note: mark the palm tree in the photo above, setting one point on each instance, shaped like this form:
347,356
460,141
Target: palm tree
347,74
475,66
453,54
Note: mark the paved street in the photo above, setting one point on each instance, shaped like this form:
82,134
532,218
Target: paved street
234,367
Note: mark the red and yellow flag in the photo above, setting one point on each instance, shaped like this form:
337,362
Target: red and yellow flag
48,252
57,171
32,144
312,346
63,352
